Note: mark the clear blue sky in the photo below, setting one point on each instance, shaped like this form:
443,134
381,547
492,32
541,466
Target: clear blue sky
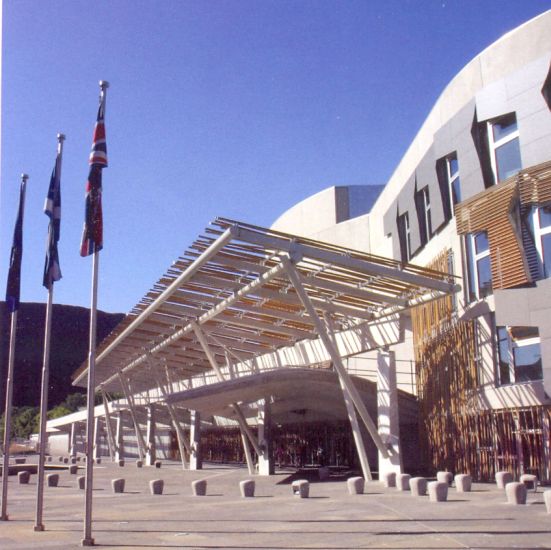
236,108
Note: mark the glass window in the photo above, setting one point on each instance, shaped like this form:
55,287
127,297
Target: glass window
453,180
404,237
541,227
519,354
504,146
479,266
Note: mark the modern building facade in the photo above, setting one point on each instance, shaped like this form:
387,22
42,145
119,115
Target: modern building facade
472,196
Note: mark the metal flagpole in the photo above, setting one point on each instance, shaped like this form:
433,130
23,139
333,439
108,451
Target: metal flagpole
42,438
88,540
9,385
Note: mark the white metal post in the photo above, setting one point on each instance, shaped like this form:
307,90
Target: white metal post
130,400
110,438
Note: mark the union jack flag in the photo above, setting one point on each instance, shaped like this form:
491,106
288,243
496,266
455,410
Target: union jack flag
52,208
92,235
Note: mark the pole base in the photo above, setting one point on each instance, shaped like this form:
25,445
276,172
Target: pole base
87,542
4,517
39,527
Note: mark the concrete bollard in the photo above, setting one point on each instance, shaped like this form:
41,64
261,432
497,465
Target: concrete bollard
418,486
66,460
402,482
199,487
139,463
301,488
83,459
463,483
246,488
60,459
52,480
49,459
502,478
156,486
73,460
97,460
78,458
121,462
157,463
20,460
438,491
355,485
324,473
547,500
530,480
23,477
118,485
73,469
516,492
389,479
444,476
81,482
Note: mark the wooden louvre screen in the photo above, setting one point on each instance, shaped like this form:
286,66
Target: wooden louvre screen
535,185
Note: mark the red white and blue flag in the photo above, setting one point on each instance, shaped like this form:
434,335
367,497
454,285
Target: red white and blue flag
92,235
52,208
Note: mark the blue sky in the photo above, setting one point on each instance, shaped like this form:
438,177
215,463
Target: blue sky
235,108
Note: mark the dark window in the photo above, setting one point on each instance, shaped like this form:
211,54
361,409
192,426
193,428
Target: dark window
422,206
404,237
546,90
519,354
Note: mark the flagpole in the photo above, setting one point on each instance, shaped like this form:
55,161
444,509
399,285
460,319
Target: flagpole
9,393
42,438
88,540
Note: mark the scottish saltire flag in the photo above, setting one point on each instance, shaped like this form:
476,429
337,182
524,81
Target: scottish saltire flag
52,208
14,273
92,235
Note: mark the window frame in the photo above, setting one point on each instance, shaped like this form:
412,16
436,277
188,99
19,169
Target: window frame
473,259
539,233
404,236
513,373
452,179
494,144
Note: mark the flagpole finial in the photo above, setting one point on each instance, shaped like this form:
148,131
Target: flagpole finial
24,177
60,137
103,84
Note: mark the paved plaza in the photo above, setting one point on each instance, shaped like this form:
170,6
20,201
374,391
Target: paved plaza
274,519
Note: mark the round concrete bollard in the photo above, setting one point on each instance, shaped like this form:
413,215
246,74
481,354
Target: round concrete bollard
389,479
463,483
81,482
20,460
73,469
139,463
60,459
324,473
157,463
547,500
446,477
418,486
66,460
52,480
199,487
73,460
156,486
49,459
530,480
301,488
246,487
23,478
516,492
83,459
78,458
402,482
121,462
502,478
97,460
438,491
355,485
118,485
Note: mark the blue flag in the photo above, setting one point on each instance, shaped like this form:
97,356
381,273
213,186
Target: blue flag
14,273
52,208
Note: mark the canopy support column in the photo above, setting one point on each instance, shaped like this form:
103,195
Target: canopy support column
151,453
236,408
265,460
387,411
119,452
73,439
130,401
349,390
196,454
110,438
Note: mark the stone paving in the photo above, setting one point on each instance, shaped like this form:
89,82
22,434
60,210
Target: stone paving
274,519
